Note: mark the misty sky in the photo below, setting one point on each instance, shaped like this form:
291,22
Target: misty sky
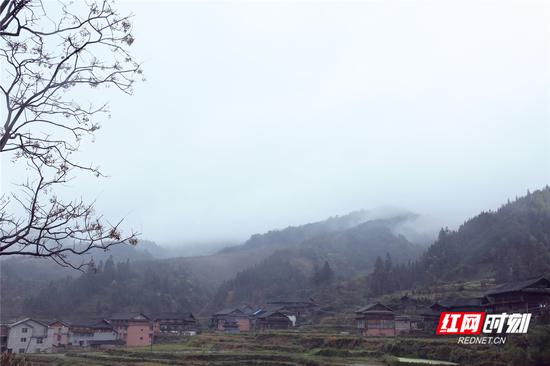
260,115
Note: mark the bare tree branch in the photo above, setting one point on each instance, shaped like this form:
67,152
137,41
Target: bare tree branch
47,60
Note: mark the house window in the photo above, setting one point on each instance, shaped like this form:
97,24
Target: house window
21,350
24,330
37,350
59,338
23,339
39,340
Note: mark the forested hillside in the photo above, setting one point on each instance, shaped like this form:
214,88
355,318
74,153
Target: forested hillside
348,254
318,237
510,243
23,277
298,271
284,262
116,287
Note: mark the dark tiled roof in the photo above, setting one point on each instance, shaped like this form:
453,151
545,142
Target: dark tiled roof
64,322
180,316
25,320
127,316
267,314
91,324
229,311
244,310
516,285
368,308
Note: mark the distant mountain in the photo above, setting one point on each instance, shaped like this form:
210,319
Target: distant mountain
294,235
363,254
348,243
213,270
509,243
295,271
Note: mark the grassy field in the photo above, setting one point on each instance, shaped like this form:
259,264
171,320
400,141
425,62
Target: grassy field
289,348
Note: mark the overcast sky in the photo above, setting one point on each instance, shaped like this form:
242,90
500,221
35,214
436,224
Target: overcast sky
260,115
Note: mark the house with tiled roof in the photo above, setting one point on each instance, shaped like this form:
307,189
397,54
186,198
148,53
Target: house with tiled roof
175,323
376,319
242,316
529,296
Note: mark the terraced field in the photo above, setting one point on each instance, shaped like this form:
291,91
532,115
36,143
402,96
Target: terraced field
272,348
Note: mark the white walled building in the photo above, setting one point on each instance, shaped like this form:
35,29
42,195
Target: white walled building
27,336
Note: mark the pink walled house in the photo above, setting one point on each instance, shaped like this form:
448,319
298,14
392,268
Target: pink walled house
58,334
135,329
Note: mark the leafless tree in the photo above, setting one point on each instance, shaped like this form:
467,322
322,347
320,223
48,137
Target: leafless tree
51,55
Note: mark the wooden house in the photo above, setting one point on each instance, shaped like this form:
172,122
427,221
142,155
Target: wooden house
408,305
242,316
176,323
300,311
430,315
264,320
376,320
528,296
296,307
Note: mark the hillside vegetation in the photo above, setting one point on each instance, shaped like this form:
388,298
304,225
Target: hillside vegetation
358,257
510,243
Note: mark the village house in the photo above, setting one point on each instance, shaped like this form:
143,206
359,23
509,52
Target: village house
430,315
300,309
528,296
183,323
376,320
408,305
134,329
264,320
94,334
27,336
226,319
58,334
